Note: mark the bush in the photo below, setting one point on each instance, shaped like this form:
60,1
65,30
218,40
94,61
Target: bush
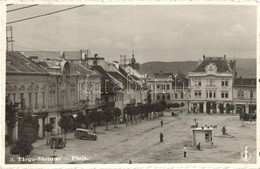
22,148
29,135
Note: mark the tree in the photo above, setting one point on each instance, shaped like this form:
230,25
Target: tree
10,116
108,116
80,120
231,107
29,128
176,105
29,135
22,148
48,128
221,108
149,98
65,124
95,118
117,113
163,102
149,103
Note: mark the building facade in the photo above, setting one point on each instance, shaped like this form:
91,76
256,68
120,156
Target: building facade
211,85
244,95
173,88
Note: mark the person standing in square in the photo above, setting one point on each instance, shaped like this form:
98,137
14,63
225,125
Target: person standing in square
185,151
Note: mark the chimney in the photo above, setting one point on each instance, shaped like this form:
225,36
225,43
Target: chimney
95,59
224,57
203,57
116,64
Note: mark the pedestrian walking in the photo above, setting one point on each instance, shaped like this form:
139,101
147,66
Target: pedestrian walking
185,151
161,137
198,146
130,162
161,123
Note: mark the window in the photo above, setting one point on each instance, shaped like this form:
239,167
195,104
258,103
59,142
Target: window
36,99
158,86
21,96
211,82
207,137
168,97
181,95
240,94
224,82
53,98
163,87
22,100
30,100
197,93
168,87
158,97
14,98
224,94
251,94
52,121
210,94
199,83
50,100
43,98
176,95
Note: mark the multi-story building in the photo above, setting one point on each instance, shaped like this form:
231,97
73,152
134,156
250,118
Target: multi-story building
244,95
211,85
173,88
26,84
46,88
89,86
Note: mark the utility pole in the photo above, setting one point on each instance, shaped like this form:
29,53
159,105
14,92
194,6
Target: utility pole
9,38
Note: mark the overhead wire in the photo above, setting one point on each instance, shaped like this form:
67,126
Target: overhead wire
42,15
17,9
33,49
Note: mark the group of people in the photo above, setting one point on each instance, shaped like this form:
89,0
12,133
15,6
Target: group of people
161,140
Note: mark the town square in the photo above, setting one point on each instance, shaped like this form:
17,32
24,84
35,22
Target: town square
101,85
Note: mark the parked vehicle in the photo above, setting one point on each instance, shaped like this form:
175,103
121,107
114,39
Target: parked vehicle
57,142
85,134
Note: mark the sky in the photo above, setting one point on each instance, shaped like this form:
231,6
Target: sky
155,32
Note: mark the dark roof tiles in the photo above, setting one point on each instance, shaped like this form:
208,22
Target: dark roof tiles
244,82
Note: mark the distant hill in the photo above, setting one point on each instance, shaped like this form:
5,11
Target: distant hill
245,67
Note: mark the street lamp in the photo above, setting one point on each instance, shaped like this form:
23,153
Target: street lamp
54,151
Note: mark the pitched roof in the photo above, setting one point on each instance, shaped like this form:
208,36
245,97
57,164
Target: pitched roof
244,82
221,64
69,55
181,82
82,69
162,75
107,82
19,63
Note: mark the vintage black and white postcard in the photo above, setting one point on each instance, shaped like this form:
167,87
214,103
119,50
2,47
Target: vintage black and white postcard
129,83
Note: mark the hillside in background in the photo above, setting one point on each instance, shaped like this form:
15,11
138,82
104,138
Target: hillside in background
245,67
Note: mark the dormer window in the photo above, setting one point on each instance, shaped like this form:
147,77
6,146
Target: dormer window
211,68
